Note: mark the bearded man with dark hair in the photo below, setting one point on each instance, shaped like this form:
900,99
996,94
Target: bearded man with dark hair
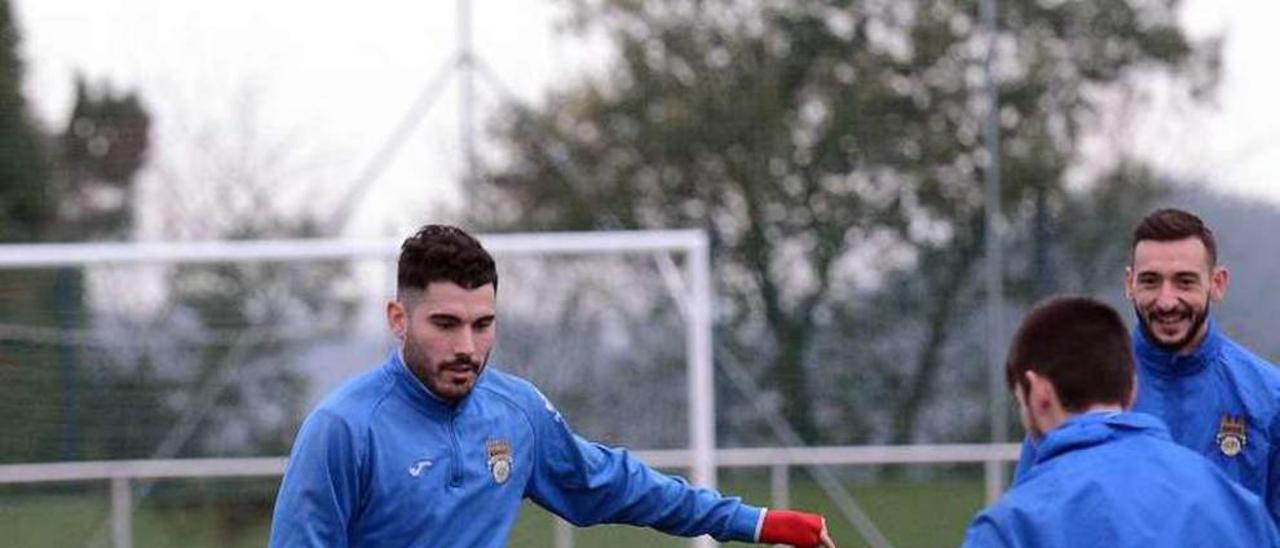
435,448
1217,398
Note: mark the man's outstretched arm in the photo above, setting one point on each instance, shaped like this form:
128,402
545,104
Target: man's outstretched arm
587,483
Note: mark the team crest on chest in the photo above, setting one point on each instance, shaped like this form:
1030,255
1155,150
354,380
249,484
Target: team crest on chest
499,452
1231,435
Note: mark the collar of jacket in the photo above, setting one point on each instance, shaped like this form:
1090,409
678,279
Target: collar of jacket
1171,364
413,390
1089,429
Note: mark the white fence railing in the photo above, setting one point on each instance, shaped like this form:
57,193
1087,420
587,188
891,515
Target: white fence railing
778,459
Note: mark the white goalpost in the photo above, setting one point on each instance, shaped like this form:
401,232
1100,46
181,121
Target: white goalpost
691,289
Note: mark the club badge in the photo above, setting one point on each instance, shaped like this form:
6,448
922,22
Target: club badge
1231,435
499,452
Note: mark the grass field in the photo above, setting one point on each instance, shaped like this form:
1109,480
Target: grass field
910,514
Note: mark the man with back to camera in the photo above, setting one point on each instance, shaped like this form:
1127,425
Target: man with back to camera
1103,476
434,448
1217,398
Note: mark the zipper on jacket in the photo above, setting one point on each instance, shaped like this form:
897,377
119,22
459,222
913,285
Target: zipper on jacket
1181,391
455,480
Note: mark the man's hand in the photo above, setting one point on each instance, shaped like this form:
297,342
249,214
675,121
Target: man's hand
795,528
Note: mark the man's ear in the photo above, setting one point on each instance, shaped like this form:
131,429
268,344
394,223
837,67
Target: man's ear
1041,396
397,319
1219,278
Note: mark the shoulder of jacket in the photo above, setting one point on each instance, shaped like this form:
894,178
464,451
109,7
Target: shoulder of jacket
1026,498
358,400
1237,354
514,391
1260,373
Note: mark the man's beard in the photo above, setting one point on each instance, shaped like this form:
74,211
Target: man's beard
420,365
1197,321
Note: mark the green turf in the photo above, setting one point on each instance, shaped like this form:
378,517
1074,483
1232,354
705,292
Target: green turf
910,514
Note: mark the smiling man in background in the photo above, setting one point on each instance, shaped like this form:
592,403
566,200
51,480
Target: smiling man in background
1217,398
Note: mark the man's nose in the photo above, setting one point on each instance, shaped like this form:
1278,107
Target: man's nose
465,342
1167,297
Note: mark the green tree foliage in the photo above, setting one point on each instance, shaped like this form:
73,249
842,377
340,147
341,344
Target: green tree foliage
102,148
26,207
834,150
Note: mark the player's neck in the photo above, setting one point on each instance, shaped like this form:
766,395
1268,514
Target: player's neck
1103,408
1195,342
1056,417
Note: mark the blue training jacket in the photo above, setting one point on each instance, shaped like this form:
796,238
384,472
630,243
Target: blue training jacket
1117,480
1211,400
383,462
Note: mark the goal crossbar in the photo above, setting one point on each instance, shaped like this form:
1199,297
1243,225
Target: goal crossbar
53,255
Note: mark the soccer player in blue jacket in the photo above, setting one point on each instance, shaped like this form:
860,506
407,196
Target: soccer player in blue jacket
1216,397
1103,476
432,448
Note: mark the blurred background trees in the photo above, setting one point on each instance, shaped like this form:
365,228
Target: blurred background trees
834,151
99,370
26,206
69,185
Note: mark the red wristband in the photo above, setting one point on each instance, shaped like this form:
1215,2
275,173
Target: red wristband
791,527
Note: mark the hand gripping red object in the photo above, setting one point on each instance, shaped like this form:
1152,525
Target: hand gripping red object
791,527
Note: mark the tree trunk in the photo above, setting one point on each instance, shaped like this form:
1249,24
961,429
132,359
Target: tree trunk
793,382
947,297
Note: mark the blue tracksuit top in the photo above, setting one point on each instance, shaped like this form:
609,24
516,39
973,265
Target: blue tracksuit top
1198,396
1113,479
383,462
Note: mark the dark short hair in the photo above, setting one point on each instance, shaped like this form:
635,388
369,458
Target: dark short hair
1081,345
442,253
1171,225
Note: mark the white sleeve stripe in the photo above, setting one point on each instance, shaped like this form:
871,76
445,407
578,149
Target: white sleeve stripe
760,525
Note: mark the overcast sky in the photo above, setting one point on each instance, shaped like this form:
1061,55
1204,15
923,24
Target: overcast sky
335,78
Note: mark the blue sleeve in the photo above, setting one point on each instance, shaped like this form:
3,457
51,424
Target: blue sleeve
320,491
587,483
1025,459
1272,494
983,532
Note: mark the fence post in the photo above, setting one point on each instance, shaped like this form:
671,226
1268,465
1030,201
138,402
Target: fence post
121,513
563,533
779,480
993,476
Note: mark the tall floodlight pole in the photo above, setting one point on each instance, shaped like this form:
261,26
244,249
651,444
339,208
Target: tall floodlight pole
995,258
466,102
